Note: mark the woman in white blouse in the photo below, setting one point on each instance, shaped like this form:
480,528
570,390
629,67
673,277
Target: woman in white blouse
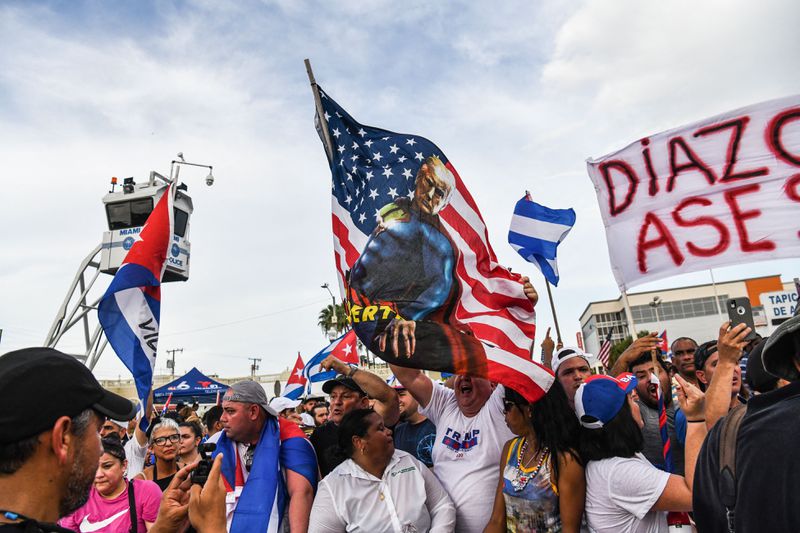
378,489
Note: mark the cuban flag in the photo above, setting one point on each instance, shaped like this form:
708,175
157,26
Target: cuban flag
297,381
536,231
343,348
130,309
662,342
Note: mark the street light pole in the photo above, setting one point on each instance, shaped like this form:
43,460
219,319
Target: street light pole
334,320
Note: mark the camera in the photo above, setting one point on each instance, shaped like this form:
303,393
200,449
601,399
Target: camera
210,179
200,473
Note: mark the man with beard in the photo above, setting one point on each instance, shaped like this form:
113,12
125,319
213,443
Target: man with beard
49,450
683,350
649,378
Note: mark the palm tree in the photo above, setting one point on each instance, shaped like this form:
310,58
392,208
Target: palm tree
333,319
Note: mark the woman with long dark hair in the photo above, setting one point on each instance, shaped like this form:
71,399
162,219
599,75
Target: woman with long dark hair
115,504
377,488
541,486
624,492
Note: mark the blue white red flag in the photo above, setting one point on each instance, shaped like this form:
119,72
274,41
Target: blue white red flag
130,309
343,348
662,342
536,231
296,382
415,263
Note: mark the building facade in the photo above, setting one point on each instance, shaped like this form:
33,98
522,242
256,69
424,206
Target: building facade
695,311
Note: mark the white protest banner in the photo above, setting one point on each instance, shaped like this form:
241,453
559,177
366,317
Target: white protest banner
717,192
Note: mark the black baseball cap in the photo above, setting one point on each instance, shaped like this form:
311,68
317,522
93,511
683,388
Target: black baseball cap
703,352
344,381
50,384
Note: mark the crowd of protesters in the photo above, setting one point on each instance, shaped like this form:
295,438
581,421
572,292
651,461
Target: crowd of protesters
701,440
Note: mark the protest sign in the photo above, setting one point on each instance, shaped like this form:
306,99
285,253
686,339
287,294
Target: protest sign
721,191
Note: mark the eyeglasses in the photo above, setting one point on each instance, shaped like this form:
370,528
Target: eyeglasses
161,441
508,405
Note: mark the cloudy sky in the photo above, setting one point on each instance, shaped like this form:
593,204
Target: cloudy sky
517,94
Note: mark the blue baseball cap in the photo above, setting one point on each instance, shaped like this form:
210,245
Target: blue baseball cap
599,398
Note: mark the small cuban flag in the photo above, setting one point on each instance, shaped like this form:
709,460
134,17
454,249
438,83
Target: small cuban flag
536,232
130,309
343,348
297,381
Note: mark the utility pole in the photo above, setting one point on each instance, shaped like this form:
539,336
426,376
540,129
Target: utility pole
171,364
254,366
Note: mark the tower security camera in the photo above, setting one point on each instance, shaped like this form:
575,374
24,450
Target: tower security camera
210,179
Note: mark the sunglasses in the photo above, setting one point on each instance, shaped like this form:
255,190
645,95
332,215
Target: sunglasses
161,441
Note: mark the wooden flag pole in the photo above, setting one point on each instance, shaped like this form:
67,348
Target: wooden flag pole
553,309
323,124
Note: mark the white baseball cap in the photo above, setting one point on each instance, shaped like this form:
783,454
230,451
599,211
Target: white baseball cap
565,354
279,403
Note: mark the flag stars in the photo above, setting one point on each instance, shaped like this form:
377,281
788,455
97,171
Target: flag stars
355,145
362,217
368,143
373,193
393,193
336,131
402,159
385,138
410,194
377,215
353,157
348,199
387,172
341,149
393,149
411,142
377,156
327,116
418,155
362,132
406,172
369,175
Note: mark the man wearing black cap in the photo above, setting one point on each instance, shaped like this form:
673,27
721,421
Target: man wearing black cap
352,389
50,450
767,476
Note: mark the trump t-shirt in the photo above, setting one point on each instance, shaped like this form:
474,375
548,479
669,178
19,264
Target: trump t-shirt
466,454
113,516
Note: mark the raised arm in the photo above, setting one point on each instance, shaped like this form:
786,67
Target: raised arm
729,347
387,402
418,384
637,348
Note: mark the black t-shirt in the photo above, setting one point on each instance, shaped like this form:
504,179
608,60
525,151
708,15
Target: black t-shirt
416,439
767,470
325,440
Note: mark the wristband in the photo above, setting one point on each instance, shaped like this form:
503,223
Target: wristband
353,370
696,421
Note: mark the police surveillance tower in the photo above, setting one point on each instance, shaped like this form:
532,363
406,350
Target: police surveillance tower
126,208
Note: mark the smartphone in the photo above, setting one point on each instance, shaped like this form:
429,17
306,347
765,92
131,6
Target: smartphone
740,312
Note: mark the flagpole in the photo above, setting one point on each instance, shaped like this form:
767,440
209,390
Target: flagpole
326,136
553,309
716,296
628,314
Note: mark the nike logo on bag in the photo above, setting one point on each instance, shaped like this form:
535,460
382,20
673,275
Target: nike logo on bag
88,527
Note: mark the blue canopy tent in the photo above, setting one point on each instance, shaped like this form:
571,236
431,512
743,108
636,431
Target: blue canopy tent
194,385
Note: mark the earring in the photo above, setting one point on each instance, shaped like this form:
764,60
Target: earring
362,451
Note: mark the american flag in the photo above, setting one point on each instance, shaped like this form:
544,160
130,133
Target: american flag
605,349
371,168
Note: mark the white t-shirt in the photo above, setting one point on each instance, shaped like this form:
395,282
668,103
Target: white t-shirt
135,454
466,454
407,498
620,493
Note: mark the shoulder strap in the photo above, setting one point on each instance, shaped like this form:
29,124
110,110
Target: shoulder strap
729,430
132,507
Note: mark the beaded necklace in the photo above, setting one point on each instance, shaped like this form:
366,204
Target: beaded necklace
521,478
